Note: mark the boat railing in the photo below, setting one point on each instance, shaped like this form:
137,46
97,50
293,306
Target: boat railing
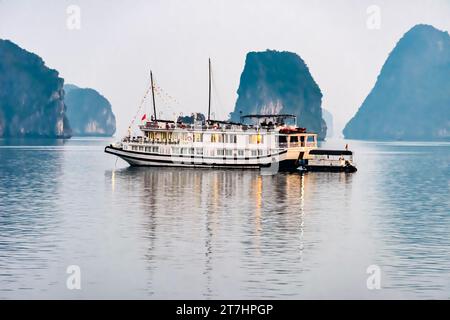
332,162
141,141
296,145
189,151
222,128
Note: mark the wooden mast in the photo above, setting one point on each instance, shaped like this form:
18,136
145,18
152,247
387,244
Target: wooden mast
153,95
209,94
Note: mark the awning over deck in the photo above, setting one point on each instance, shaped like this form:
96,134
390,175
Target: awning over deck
331,152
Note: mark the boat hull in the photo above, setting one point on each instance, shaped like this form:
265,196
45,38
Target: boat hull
278,162
349,169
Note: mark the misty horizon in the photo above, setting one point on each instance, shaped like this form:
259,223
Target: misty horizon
117,44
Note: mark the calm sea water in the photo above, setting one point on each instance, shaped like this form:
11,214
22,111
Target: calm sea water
185,233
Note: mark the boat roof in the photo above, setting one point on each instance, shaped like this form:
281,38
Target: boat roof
224,122
331,152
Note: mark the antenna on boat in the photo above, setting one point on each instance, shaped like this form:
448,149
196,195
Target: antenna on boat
153,94
209,94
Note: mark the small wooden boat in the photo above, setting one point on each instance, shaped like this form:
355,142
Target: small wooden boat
329,161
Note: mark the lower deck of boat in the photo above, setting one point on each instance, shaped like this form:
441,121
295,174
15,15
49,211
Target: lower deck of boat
276,161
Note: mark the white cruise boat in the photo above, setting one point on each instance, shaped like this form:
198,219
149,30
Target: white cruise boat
217,144
258,141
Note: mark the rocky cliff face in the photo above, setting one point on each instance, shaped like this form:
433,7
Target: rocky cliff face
31,96
89,113
328,118
411,98
279,82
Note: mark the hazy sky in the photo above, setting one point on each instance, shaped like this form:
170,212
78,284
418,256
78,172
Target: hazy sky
119,41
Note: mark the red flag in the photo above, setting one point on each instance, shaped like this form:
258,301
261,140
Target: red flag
144,117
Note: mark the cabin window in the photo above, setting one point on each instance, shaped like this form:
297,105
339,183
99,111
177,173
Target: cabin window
183,151
260,152
302,141
254,153
198,137
310,139
175,150
241,153
185,137
191,151
217,137
294,139
230,138
228,152
255,139
199,151
220,152
282,139
155,149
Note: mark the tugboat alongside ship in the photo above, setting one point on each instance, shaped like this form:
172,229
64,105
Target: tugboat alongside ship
257,141
330,161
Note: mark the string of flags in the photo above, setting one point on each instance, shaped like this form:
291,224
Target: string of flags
160,92
139,109
162,96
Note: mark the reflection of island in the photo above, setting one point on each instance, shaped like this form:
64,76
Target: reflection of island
413,212
30,172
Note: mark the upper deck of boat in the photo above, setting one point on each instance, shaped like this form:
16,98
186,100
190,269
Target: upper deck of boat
219,126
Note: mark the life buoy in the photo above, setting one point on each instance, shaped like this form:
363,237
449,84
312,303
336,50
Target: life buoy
189,138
